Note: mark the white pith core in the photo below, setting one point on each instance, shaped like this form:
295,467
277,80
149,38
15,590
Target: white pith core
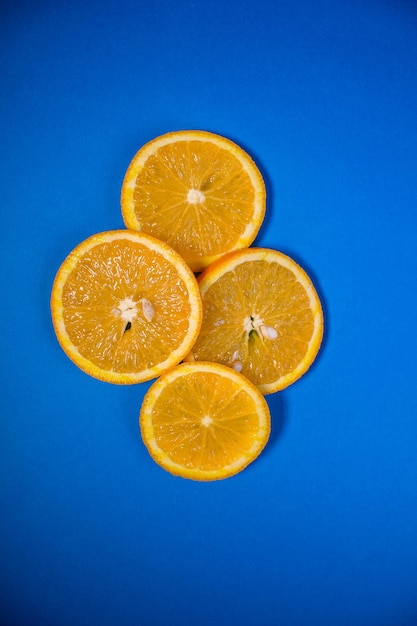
206,420
254,322
128,309
195,195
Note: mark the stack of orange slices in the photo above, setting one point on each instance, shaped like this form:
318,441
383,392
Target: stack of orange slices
127,307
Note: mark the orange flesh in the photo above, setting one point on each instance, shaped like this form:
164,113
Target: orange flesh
263,290
202,228
178,421
105,276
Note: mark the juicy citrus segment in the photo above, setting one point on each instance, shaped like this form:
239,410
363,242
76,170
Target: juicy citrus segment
204,421
125,306
261,316
199,192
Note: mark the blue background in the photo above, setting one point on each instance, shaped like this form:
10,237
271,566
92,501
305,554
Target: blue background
322,529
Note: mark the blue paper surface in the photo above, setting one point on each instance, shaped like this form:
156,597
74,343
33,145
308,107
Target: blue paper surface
322,529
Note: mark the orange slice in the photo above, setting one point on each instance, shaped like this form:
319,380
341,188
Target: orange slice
125,306
204,421
199,192
261,316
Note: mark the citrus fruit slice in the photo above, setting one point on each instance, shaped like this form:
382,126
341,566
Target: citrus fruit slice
125,306
204,421
197,191
261,316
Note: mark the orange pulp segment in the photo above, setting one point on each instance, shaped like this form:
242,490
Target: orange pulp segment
125,306
261,316
198,191
204,421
